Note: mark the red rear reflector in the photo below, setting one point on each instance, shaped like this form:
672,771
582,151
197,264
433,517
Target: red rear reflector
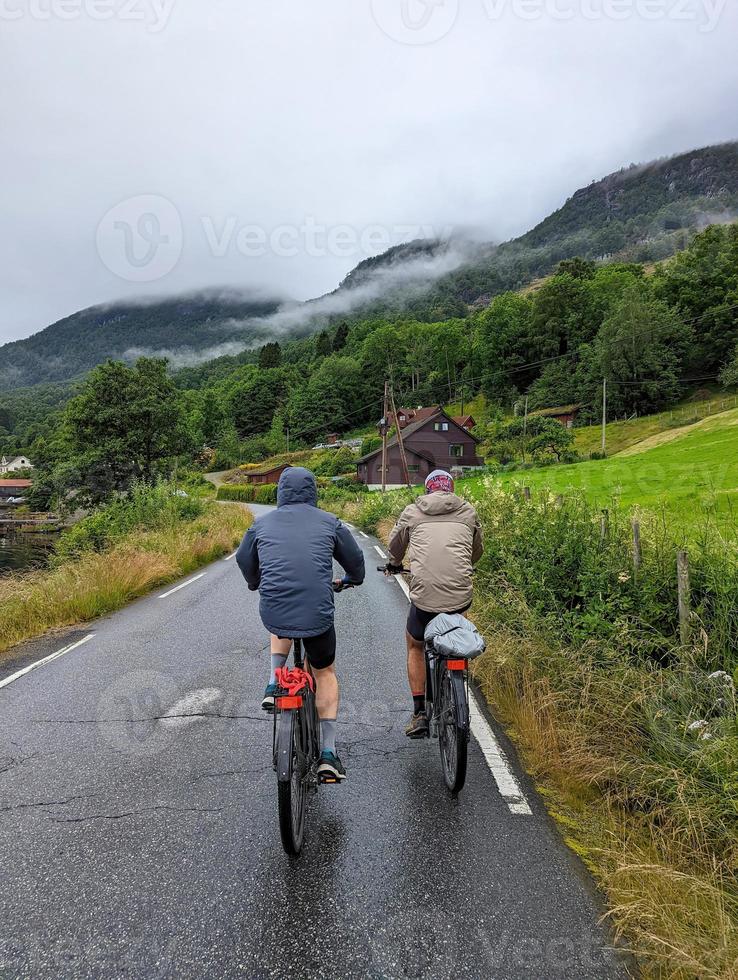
456,664
290,701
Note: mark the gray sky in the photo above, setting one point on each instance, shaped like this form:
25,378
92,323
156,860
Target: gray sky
157,146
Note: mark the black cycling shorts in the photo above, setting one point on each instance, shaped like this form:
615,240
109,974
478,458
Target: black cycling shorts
418,620
319,650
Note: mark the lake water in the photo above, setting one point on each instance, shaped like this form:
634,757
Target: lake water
19,551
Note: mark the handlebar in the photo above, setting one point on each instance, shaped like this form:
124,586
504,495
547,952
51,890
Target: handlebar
339,586
393,569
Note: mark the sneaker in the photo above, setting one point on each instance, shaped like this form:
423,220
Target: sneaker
330,769
267,703
417,727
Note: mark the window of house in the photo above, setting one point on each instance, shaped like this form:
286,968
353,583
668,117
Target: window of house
403,418
413,468
456,450
441,426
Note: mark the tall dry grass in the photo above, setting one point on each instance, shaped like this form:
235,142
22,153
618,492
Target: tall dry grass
99,583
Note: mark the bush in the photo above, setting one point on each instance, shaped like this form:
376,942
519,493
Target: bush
145,507
266,494
243,492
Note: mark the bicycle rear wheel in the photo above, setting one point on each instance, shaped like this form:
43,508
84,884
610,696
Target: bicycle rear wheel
291,788
453,735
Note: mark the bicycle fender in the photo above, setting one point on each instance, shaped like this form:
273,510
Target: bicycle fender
461,704
287,720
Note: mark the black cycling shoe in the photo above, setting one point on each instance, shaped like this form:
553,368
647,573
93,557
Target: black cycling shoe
330,768
417,727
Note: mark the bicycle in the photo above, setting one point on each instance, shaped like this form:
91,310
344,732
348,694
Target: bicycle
296,746
446,705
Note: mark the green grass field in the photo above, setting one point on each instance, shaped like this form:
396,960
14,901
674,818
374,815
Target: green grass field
687,473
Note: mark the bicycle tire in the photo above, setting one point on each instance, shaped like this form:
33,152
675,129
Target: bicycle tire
291,789
453,733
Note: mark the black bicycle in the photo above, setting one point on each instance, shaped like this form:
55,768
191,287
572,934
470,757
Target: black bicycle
296,746
446,705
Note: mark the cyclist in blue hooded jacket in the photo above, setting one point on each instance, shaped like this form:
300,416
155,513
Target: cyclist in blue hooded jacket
288,556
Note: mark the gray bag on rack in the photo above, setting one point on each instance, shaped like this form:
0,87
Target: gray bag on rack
454,637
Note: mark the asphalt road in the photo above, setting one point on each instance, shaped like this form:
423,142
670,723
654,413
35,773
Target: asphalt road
138,816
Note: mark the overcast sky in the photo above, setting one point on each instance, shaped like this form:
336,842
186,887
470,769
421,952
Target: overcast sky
158,146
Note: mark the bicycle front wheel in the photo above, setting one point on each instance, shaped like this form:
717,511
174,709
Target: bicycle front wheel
291,787
453,734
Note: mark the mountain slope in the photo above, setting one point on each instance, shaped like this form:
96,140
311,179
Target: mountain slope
181,328
642,213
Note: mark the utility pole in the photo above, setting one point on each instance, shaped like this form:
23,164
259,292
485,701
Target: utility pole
400,443
525,426
384,439
604,416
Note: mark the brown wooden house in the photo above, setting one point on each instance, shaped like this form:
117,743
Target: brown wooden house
13,489
433,441
265,474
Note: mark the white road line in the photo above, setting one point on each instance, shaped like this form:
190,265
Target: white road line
403,585
503,775
46,660
182,586
231,556
379,551
363,535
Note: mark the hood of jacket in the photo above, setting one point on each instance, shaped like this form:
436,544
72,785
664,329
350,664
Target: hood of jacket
297,486
440,503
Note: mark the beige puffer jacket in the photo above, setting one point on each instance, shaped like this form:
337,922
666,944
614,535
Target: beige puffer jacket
443,538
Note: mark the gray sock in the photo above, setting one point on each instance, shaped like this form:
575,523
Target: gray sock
328,734
277,661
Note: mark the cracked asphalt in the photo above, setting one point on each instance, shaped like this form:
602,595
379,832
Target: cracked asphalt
138,815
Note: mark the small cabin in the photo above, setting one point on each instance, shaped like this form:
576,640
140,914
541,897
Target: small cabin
265,474
565,415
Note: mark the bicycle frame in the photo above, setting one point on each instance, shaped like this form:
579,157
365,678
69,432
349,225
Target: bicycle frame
434,668
306,715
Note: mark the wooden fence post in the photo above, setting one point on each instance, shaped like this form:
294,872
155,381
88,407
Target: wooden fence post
604,525
685,596
526,493
637,548
560,500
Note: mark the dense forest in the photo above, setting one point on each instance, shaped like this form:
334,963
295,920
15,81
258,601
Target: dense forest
652,333
641,214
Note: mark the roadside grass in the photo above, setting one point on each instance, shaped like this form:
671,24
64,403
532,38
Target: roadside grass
99,582
691,479
585,668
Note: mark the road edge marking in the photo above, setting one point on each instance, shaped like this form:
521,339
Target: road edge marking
45,660
231,556
500,768
183,585
380,552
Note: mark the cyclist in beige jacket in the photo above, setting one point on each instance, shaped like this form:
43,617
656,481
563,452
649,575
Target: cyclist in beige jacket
443,535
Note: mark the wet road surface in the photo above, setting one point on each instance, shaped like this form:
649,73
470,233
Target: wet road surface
139,819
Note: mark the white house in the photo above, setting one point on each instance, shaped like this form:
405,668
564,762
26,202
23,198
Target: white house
14,464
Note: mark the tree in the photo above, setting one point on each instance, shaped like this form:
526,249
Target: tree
729,374
270,356
123,426
537,436
639,350
340,337
253,402
323,344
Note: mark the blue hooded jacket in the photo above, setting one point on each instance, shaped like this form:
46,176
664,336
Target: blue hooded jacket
288,556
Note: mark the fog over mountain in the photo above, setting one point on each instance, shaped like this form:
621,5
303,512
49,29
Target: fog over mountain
275,147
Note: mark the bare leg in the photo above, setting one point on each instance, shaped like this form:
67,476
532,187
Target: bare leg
326,692
415,665
279,648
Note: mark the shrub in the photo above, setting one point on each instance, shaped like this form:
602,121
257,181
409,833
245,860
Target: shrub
241,492
266,494
144,507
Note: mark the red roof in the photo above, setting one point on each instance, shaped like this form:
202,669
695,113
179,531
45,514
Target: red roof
16,484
